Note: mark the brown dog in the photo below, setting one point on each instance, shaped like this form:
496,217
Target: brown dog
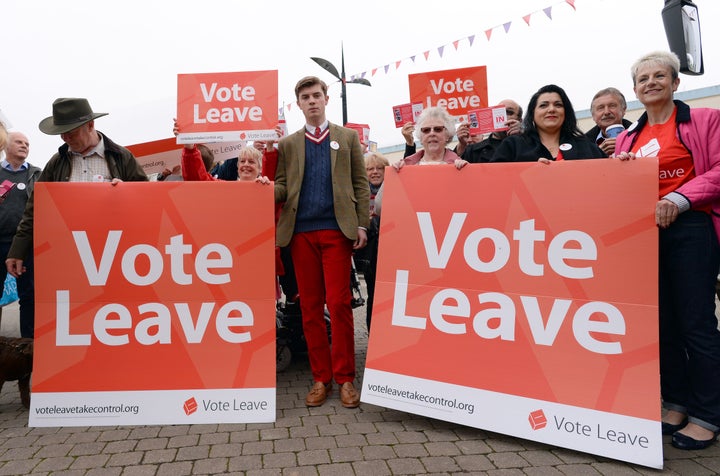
16,358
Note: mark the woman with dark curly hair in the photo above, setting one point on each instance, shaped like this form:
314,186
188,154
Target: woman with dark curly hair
550,132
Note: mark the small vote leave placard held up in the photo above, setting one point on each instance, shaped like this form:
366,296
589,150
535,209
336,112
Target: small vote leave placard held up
227,107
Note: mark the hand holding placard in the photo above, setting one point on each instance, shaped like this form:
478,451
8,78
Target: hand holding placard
405,113
487,120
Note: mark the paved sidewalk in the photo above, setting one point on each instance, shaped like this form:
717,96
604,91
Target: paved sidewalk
329,440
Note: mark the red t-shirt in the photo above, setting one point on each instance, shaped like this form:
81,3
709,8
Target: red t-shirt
675,163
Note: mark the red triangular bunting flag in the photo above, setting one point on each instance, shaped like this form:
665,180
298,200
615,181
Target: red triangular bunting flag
427,53
571,3
373,71
455,44
471,39
397,64
548,12
440,50
507,26
527,19
488,33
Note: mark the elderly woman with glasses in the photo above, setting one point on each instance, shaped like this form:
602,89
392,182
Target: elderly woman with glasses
435,128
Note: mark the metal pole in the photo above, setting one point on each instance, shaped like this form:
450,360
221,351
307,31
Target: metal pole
330,68
343,95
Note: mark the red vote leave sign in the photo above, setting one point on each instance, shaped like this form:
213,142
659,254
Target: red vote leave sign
457,90
522,298
227,107
147,303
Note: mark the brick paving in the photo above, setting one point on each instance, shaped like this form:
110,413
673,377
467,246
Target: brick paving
328,440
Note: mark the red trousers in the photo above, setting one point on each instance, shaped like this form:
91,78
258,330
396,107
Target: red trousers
322,267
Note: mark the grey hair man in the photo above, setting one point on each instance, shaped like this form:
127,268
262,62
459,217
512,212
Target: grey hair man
17,170
608,108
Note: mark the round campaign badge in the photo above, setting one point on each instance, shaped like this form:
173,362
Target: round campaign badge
21,186
565,146
334,145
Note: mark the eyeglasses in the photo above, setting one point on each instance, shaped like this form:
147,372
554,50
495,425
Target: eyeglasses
435,129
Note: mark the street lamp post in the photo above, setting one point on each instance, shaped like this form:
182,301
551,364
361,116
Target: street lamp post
330,68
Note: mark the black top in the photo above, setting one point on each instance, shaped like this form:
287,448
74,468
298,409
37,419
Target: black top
528,148
483,151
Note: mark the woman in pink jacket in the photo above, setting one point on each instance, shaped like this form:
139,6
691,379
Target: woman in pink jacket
686,144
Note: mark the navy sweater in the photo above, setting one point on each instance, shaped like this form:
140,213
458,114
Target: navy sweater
316,209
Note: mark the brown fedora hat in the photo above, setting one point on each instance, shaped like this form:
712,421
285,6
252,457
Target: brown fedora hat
68,113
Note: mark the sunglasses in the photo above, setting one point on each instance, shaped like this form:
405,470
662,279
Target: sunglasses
436,129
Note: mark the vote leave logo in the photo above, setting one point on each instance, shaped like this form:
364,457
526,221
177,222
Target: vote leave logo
537,420
190,406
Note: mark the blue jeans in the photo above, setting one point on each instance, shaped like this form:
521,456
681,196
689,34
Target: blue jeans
689,336
26,291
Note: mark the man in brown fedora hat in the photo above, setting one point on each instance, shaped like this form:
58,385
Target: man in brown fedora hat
86,156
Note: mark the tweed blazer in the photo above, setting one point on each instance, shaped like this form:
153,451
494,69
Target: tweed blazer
351,191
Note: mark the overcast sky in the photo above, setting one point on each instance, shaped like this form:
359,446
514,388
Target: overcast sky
125,56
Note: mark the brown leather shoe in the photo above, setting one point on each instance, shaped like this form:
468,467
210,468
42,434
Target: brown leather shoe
318,394
349,397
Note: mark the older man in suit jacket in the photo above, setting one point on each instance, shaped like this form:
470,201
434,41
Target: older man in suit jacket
322,182
608,108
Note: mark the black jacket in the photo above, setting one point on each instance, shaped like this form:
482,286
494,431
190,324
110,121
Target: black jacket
121,163
528,148
482,151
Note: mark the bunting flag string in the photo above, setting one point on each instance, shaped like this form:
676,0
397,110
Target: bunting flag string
470,39
488,33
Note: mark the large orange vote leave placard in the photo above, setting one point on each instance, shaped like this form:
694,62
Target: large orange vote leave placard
150,309
522,298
